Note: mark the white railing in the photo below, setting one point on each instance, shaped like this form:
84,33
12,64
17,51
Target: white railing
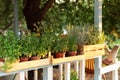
99,70
80,69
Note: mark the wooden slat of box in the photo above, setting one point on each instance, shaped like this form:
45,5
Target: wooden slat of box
91,51
93,47
92,54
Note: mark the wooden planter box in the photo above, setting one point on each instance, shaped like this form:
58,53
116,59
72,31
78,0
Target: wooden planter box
27,64
67,59
91,51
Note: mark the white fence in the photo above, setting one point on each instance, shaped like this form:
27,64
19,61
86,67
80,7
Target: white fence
80,69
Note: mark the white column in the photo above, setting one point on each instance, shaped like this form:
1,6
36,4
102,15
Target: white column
67,71
48,73
82,70
98,65
98,14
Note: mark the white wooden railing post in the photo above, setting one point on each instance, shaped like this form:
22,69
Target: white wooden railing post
48,73
98,64
67,71
36,74
61,71
76,67
26,75
22,75
115,72
82,70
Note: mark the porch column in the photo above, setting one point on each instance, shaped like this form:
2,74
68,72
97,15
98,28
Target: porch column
98,14
16,17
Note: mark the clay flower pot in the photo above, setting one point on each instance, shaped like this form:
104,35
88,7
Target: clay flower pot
72,53
2,60
34,58
59,55
23,59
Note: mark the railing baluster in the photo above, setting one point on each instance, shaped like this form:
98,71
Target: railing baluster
36,74
98,65
115,72
67,71
22,75
61,71
48,73
76,67
82,70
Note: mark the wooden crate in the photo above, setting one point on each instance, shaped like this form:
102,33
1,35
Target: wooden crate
67,59
27,64
91,51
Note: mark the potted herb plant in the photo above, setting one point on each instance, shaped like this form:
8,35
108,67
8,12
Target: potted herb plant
59,47
11,48
10,51
33,47
72,45
25,49
44,45
88,35
41,45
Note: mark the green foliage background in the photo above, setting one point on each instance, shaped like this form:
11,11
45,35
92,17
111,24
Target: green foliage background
68,12
111,18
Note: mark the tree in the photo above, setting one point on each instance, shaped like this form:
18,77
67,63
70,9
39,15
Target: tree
5,15
34,12
40,14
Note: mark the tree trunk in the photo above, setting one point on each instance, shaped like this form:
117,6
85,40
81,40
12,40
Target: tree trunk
34,14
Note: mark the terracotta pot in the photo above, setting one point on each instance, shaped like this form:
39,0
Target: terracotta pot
23,59
72,53
80,50
34,58
2,60
59,55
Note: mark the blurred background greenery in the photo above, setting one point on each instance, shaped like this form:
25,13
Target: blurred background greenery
65,13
